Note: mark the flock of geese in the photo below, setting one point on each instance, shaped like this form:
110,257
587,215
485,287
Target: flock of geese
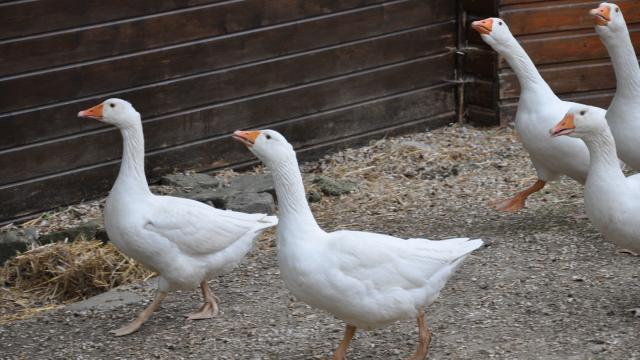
370,280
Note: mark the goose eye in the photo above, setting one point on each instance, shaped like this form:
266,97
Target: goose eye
112,105
500,23
268,137
617,9
582,112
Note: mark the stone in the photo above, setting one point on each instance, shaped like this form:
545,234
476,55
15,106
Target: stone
314,196
219,197
252,203
192,181
13,242
253,184
333,187
84,231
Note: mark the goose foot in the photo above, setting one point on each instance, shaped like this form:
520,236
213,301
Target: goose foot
511,205
424,338
516,203
636,312
142,318
341,351
210,307
626,251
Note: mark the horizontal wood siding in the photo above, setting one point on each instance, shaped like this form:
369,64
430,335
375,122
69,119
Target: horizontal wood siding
325,73
560,38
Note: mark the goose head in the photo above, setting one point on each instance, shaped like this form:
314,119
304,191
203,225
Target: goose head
608,18
580,121
114,111
268,145
494,31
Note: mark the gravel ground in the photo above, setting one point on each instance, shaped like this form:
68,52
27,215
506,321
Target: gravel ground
547,286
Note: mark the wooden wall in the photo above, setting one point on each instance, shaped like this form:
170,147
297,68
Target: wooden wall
560,38
325,73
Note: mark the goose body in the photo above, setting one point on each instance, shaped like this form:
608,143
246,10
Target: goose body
186,242
366,279
622,114
538,110
612,201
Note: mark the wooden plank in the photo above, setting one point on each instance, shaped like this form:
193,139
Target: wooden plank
481,8
68,153
204,22
481,116
80,81
560,16
480,63
600,98
19,19
57,120
480,92
578,46
414,109
566,78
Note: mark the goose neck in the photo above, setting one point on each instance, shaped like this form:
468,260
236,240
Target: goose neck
528,75
293,208
131,177
625,63
602,153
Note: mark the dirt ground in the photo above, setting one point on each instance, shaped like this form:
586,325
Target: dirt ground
546,286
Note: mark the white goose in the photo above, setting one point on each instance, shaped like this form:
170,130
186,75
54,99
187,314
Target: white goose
368,280
612,200
538,110
184,241
622,114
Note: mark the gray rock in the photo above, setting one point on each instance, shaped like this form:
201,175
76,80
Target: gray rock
220,197
252,203
214,197
314,196
253,184
84,231
119,296
333,187
193,181
12,242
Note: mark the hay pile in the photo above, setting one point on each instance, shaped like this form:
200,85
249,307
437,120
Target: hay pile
65,272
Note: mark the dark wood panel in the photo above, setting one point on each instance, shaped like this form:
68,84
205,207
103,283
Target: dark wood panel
106,76
481,116
581,46
560,16
74,152
50,122
601,99
480,62
481,8
480,92
33,17
120,38
410,110
568,78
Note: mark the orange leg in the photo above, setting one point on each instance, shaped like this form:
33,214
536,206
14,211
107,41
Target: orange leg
210,307
341,351
142,318
424,338
516,203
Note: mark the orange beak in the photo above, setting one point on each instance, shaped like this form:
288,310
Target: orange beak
93,113
483,26
602,15
246,137
564,127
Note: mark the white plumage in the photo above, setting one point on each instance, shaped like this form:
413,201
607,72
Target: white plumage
184,241
622,114
538,110
368,280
